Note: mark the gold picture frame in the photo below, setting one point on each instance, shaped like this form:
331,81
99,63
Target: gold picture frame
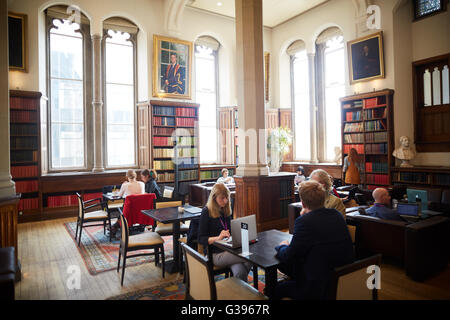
366,58
17,35
172,68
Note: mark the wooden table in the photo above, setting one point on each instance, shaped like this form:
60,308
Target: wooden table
171,215
263,255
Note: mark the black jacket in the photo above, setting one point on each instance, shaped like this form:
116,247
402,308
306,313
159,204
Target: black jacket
321,242
211,227
152,187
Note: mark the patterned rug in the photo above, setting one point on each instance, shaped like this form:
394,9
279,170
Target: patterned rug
175,290
100,255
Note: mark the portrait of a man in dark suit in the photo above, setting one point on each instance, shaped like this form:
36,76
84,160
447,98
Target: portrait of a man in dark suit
367,58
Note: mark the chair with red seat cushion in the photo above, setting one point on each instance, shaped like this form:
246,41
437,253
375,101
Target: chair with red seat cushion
133,206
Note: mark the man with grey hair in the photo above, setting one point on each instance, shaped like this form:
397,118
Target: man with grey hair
381,207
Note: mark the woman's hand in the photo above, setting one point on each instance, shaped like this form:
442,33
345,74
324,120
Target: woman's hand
285,242
224,234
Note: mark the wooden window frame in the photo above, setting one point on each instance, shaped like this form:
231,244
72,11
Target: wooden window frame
87,97
436,143
133,40
415,12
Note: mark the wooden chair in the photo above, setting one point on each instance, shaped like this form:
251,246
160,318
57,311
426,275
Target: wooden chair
85,216
349,282
200,284
164,229
142,241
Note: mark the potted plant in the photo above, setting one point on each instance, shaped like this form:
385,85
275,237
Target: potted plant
279,142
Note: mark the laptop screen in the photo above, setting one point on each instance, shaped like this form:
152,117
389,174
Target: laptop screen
408,209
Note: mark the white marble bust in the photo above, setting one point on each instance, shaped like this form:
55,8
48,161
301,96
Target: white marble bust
405,153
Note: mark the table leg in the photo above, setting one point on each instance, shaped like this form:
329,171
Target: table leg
255,276
271,281
173,266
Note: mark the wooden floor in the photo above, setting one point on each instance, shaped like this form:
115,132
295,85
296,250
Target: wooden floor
46,251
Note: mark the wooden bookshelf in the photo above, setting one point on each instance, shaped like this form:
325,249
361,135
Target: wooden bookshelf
436,177
228,126
367,126
168,142
24,108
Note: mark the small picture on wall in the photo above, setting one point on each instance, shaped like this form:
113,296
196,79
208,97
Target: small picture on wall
366,58
171,68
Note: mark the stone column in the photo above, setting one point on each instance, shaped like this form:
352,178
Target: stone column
97,103
7,186
313,106
250,88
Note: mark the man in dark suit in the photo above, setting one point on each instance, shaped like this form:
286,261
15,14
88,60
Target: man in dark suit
321,242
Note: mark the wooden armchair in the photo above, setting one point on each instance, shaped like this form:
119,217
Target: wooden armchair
86,216
200,284
349,282
142,241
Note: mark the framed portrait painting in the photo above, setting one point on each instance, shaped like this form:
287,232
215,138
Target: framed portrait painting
172,68
366,58
17,45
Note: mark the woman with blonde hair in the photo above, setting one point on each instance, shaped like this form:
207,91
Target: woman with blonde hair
131,186
331,201
215,223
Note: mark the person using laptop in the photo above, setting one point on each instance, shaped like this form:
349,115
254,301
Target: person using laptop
320,243
214,225
381,207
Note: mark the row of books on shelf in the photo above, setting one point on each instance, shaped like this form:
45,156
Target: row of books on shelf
26,142
28,204
23,156
163,121
377,179
24,171
27,186
418,177
188,175
358,147
373,102
375,125
22,129
23,116
376,167
23,103
166,176
375,113
354,127
443,179
377,148
353,138
163,165
186,141
377,136
174,111
188,163
185,122
163,141
353,116
163,131
163,153
187,152
62,201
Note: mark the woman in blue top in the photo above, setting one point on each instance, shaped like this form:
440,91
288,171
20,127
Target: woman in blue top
215,223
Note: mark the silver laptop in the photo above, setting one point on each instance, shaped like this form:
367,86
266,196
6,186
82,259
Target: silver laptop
235,240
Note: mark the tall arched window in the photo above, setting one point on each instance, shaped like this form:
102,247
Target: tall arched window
301,99
330,63
120,93
66,42
206,94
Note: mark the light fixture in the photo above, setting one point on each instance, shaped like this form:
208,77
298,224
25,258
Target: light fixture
219,4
